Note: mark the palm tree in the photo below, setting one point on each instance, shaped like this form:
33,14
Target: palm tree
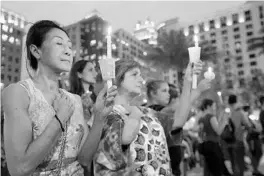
172,52
257,42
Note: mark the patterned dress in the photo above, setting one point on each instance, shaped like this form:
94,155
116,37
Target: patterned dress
62,160
147,154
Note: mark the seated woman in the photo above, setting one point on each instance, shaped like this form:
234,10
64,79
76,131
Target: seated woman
133,140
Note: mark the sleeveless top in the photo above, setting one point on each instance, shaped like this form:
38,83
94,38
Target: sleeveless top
208,133
146,154
62,159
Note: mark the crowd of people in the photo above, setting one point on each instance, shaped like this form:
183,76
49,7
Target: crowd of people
52,131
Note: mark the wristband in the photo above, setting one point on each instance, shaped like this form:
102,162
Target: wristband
56,117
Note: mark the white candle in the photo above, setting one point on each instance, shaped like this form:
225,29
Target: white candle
194,80
195,38
220,96
109,42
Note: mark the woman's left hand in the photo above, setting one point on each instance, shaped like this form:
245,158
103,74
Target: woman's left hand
193,68
104,102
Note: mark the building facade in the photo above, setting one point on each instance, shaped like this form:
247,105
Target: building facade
128,46
88,37
12,33
146,32
229,32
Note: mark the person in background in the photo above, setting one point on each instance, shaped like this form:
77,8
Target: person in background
82,79
45,132
236,150
261,115
212,127
253,141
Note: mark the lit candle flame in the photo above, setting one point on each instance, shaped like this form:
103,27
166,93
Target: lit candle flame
210,69
195,38
109,30
219,93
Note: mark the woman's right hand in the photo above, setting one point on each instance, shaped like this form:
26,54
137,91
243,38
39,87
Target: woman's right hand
63,106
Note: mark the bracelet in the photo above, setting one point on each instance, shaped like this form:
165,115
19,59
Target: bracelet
60,123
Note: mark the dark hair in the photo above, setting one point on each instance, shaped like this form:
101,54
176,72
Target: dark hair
246,108
206,103
261,100
173,92
36,36
153,86
232,99
121,67
76,85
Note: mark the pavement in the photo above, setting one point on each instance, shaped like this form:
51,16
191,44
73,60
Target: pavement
198,171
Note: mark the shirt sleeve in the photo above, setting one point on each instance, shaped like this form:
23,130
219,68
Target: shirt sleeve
114,157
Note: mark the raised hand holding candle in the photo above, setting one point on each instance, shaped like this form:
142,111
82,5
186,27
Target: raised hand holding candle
194,54
209,74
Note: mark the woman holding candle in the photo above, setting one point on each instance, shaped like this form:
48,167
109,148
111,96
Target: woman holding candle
45,132
133,139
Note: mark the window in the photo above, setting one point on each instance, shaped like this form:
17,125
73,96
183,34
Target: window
10,58
16,79
252,56
213,41
240,65
239,58
191,30
16,70
249,26
17,60
238,45
262,23
201,27
228,74
213,34
253,63
238,51
249,33
225,38
248,15
224,32
242,82
212,24
93,26
227,60
2,77
236,29
226,46
237,36
227,53
9,77
240,73
229,84
235,18
87,28
223,21
260,11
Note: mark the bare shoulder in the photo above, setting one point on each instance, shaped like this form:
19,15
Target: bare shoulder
15,94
